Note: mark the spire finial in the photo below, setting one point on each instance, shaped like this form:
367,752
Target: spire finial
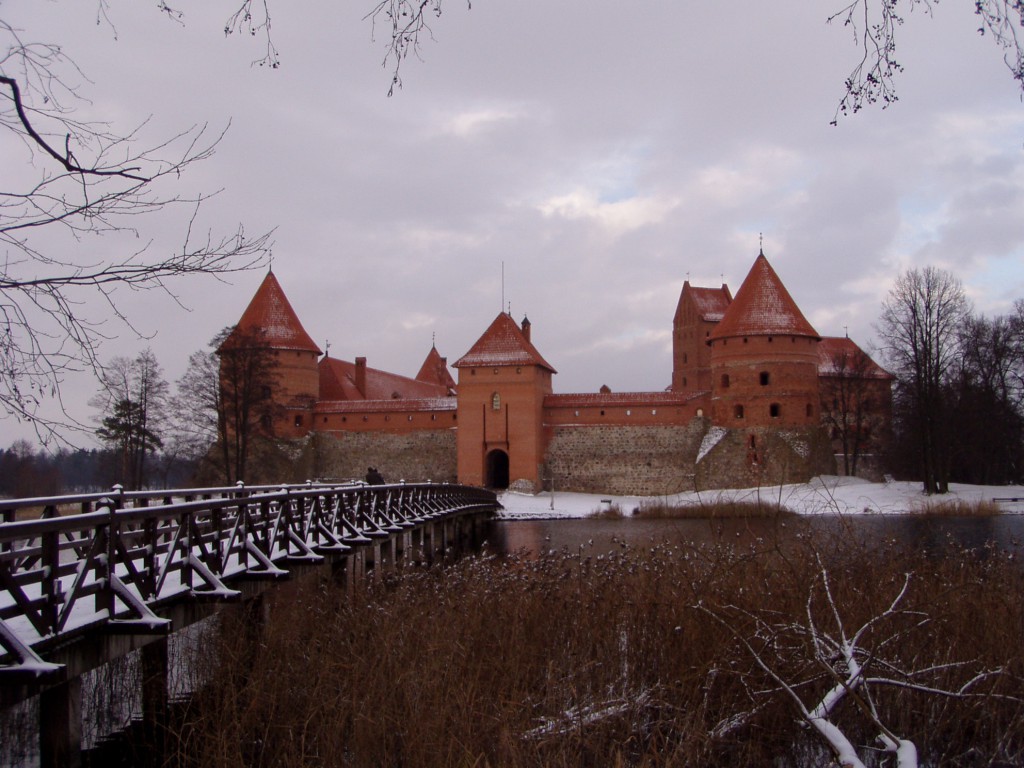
327,348
433,339
760,237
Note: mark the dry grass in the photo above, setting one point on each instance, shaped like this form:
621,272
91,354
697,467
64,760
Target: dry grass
957,508
721,510
605,660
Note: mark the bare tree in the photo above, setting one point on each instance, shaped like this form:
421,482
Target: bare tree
875,24
132,404
75,180
224,401
848,403
919,327
833,670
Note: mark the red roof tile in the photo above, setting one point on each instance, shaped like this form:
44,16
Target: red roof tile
830,359
271,317
338,382
503,343
710,303
435,370
763,307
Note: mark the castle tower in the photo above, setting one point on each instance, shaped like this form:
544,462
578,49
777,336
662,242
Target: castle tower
435,371
503,380
764,358
698,312
270,327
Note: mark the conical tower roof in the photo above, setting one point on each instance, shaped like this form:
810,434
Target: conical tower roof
270,318
435,370
503,343
763,307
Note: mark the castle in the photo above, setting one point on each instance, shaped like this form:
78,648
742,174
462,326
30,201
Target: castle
750,403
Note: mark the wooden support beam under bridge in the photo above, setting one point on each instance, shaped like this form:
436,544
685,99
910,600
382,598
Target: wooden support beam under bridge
101,575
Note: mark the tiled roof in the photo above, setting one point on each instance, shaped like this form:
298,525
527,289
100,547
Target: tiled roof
270,317
435,370
763,307
338,382
503,343
831,362
710,303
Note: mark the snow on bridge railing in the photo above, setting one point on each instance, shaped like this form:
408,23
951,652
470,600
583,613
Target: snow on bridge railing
114,557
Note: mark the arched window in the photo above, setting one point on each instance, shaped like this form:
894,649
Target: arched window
773,410
738,411
496,402
764,378
725,381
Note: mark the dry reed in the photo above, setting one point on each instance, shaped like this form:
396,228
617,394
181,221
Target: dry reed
626,658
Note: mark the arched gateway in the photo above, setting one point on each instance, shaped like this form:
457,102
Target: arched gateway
497,470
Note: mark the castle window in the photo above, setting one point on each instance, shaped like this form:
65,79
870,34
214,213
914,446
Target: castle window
725,381
455,417
519,370
433,417
575,413
629,412
810,410
344,419
472,371
654,411
753,441
769,339
365,418
764,378
700,413
773,410
409,418
738,412
495,402
325,419
602,413
744,339
495,371
298,420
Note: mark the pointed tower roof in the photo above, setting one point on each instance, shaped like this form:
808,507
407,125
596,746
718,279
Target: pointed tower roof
271,316
503,343
763,307
435,370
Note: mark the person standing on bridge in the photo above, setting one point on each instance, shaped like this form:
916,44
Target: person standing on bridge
374,477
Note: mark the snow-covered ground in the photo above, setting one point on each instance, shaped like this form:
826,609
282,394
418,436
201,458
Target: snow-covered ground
823,495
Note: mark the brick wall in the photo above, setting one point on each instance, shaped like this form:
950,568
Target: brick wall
641,460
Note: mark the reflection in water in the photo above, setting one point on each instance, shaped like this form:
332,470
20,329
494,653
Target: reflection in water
916,532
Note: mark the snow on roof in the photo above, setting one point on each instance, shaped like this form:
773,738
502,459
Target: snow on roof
338,382
270,318
503,343
763,307
435,370
838,355
710,303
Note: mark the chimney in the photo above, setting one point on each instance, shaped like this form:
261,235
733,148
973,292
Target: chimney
526,327
361,375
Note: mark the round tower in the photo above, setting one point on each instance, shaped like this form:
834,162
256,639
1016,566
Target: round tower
764,358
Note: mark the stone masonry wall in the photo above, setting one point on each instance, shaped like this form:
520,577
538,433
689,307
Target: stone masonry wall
747,458
413,456
642,460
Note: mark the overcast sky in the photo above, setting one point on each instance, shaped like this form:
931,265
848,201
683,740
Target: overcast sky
603,151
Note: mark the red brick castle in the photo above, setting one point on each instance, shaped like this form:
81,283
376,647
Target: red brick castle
745,406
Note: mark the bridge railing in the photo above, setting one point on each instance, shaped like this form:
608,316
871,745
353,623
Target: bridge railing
122,555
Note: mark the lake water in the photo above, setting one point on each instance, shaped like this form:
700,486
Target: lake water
932,534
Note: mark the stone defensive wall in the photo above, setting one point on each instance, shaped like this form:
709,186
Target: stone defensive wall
747,458
640,443
411,455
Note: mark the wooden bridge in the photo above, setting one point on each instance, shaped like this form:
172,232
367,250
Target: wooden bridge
97,576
